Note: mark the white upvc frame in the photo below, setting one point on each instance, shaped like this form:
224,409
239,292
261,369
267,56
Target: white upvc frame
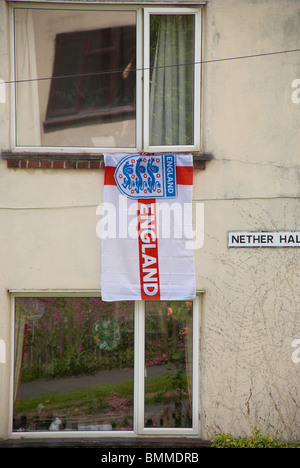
139,373
143,12
197,77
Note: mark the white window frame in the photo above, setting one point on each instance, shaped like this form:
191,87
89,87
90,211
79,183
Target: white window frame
139,373
197,78
143,13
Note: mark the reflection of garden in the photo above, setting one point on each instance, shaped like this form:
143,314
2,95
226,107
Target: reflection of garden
102,407
168,343
64,337
59,339
64,341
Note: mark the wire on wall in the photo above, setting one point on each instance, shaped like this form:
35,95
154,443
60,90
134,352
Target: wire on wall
201,62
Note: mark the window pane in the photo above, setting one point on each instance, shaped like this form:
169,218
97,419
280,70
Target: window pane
168,360
172,45
106,87
73,364
72,89
66,89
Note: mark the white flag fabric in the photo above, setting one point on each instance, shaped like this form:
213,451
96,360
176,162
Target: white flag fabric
147,228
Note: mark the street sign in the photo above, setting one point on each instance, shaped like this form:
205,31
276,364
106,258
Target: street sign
264,239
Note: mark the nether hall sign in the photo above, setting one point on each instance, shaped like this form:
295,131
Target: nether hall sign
264,239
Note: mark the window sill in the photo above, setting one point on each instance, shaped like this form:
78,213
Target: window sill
72,161
165,443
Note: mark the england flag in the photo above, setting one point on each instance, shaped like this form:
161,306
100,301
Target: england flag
147,229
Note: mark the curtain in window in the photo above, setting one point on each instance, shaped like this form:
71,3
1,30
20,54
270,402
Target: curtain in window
27,99
171,92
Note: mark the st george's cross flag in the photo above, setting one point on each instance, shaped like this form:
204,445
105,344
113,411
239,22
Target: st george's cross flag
147,228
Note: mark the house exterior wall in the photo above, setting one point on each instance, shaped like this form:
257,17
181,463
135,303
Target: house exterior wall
250,316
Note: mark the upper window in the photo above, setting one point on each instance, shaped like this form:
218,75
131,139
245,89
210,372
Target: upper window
107,79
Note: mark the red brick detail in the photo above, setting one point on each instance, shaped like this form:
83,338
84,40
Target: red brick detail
199,165
33,164
50,163
83,164
46,164
69,164
58,164
94,164
13,163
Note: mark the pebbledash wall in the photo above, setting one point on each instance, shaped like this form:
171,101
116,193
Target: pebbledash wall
250,318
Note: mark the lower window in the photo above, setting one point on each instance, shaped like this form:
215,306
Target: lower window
81,364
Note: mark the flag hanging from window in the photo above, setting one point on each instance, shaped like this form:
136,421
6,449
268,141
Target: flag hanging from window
147,251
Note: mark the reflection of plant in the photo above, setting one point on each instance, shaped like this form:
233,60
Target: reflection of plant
155,355
169,334
119,411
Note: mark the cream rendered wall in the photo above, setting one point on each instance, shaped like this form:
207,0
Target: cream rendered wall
251,302
251,307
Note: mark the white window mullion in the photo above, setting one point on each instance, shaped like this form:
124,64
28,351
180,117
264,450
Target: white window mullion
146,79
197,80
139,366
196,362
139,79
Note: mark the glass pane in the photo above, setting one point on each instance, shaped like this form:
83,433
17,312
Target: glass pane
66,89
107,87
168,361
172,46
73,364
76,79
98,89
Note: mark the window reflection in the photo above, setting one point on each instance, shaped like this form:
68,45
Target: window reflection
75,70
168,360
73,364
92,64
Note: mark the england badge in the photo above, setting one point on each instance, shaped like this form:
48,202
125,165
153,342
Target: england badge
147,176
